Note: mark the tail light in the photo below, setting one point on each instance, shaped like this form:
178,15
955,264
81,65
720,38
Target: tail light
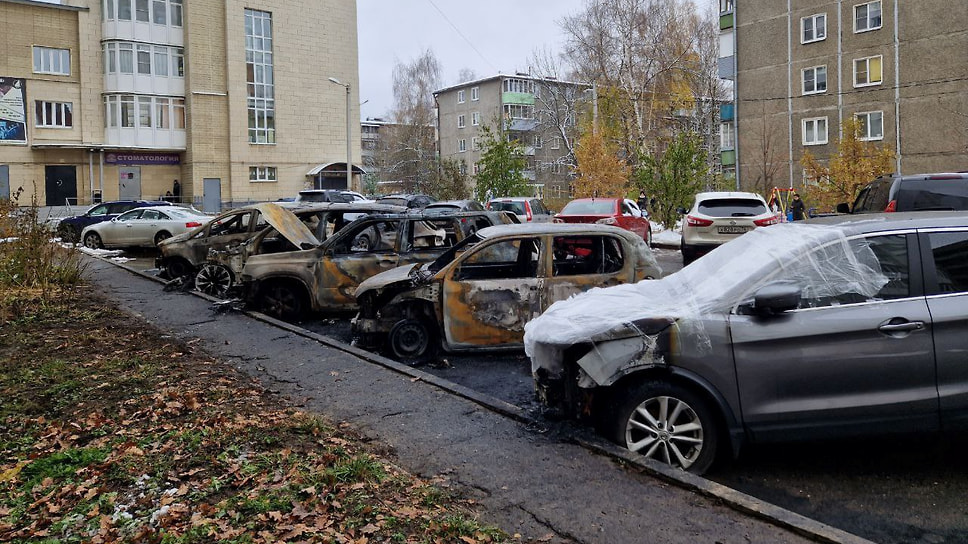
192,224
891,206
767,222
527,209
610,221
697,222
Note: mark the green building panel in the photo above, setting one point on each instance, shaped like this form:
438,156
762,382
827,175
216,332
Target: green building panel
728,158
518,98
726,21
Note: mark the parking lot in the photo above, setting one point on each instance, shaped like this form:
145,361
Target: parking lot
908,489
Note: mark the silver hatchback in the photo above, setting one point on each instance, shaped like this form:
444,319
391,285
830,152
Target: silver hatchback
828,328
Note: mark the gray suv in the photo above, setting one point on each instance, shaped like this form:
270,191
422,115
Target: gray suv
920,192
807,330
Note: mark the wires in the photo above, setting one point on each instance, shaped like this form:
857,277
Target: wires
461,34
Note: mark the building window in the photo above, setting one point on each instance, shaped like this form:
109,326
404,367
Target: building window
813,28
141,10
462,168
178,62
461,145
110,58
126,58
127,111
161,61
144,59
815,80
124,10
259,77
460,97
262,174
162,113
514,85
176,12
477,168
54,114
537,141
867,16
159,12
48,60
108,8
475,143
726,136
178,112
475,93
871,125
518,111
868,71
476,118
555,143
144,112
815,131
725,6
461,122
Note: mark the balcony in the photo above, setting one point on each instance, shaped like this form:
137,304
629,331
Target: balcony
727,67
728,158
523,125
727,112
526,99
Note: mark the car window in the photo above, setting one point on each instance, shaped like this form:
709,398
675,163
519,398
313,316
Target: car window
875,197
515,207
537,208
429,234
98,210
732,207
475,206
133,214
152,215
950,251
375,236
115,209
507,259
394,201
589,207
233,224
940,194
581,255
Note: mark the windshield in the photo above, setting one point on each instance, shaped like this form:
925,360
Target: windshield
450,254
516,208
732,207
589,207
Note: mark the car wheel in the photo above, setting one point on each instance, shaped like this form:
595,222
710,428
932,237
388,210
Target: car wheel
669,424
688,254
362,243
177,268
282,300
214,280
92,240
161,237
411,340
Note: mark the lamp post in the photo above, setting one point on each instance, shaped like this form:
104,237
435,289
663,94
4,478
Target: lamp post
349,134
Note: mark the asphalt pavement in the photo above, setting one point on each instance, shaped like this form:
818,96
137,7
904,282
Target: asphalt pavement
530,479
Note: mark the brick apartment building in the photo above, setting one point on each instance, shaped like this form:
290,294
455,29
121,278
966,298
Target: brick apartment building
800,67
118,98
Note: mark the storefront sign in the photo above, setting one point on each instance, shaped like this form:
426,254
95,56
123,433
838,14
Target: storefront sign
142,158
13,115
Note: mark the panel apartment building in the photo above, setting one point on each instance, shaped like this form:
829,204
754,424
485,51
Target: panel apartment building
108,99
540,113
800,67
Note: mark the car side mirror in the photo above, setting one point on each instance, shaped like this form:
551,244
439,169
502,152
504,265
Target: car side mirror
681,211
776,298
843,207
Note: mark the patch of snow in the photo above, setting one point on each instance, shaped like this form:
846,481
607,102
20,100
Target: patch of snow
101,252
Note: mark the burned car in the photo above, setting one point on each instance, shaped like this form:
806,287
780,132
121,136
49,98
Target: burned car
830,328
480,294
187,253
290,282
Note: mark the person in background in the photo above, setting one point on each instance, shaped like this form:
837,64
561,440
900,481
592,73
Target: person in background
798,208
643,201
176,192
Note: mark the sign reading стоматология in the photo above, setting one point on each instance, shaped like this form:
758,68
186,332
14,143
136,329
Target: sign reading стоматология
129,158
13,113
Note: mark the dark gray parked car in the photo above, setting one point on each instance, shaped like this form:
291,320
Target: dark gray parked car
829,328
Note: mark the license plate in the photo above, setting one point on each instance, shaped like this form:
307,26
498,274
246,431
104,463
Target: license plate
732,230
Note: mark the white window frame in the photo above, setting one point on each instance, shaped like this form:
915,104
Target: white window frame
867,62
461,145
57,110
460,96
475,143
475,94
726,136
44,58
817,36
803,80
817,139
538,142
867,125
867,18
461,121
556,143
263,174
476,118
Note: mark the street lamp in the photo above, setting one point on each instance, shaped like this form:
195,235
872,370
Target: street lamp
349,134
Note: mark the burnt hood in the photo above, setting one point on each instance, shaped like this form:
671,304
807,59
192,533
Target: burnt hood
288,225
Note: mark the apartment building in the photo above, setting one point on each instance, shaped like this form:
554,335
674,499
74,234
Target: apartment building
540,113
800,67
108,99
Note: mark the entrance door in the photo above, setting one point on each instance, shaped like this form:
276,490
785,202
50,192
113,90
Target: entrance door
129,183
4,181
61,185
212,195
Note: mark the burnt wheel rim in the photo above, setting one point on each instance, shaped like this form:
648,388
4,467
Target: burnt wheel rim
665,429
92,241
213,280
410,339
281,301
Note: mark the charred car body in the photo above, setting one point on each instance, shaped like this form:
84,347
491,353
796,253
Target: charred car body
324,278
481,293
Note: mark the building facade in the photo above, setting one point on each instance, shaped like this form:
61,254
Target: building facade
108,99
540,113
800,67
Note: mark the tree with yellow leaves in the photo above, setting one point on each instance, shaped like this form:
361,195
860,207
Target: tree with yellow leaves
856,163
601,173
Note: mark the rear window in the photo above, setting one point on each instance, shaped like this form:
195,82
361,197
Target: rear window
394,201
515,207
874,197
732,207
589,207
942,194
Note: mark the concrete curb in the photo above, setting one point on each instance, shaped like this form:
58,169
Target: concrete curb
738,501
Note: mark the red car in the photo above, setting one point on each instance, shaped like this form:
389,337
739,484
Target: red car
621,212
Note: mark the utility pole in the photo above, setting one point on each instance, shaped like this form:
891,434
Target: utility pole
349,135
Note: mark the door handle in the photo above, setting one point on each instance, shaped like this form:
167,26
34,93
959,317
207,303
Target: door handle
907,326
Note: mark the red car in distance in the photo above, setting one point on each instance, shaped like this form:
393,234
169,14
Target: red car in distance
621,212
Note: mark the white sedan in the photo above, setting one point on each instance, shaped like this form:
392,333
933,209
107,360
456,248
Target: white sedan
143,227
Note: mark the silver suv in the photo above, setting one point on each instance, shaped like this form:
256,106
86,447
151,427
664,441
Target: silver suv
529,209
808,330
717,217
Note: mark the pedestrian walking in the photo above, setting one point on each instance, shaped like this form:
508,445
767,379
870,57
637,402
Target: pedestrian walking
176,192
643,201
798,208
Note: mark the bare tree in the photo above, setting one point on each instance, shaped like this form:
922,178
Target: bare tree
766,157
559,104
465,75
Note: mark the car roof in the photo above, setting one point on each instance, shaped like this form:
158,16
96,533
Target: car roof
876,222
726,194
512,198
538,229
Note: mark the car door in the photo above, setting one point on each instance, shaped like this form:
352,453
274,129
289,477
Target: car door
580,262
630,218
347,261
844,364
121,230
142,230
224,231
491,292
945,254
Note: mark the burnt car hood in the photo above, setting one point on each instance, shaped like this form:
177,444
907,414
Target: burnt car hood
288,225
394,276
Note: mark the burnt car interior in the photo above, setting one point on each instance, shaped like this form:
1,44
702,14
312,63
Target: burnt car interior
236,224
432,234
503,260
579,255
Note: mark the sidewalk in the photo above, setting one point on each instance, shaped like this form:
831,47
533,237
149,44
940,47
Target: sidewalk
529,481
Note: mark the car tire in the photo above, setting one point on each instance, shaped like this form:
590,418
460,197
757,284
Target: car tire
362,243
688,254
178,267
667,423
282,300
92,240
161,237
412,340
214,280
